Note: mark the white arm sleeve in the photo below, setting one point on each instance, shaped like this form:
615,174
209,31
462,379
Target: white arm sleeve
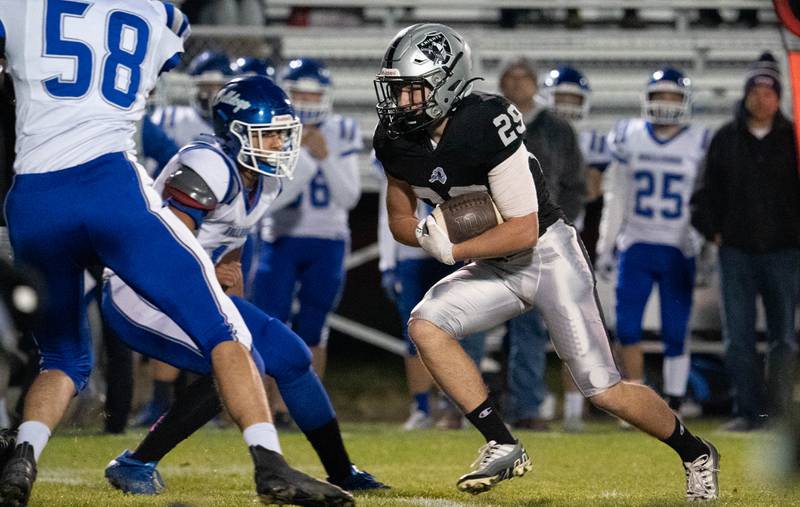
387,246
613,207
512,186
305,170
341,167
344,179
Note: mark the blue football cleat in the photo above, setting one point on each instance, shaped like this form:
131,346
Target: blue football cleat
133,476
359,480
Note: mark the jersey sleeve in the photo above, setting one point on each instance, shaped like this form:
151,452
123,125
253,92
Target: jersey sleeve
595,149
176,31
617,143
500,127
350,142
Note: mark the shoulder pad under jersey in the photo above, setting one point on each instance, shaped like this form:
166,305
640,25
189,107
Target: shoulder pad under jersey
190,189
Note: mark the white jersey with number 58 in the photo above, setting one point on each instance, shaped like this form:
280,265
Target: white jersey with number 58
82,71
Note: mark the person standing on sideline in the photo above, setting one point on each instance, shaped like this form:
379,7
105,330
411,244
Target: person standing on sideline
749,205
645,228
568,95
306,241
553,141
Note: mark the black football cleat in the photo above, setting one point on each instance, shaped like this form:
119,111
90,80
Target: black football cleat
17,478
278,483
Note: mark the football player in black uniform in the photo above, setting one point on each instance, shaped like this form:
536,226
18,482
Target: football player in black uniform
437,139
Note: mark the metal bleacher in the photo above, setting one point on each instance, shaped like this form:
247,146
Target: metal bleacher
616,62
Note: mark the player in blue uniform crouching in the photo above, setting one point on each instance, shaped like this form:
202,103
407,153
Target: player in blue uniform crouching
220,187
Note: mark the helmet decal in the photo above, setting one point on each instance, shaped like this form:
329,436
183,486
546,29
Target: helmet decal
436,48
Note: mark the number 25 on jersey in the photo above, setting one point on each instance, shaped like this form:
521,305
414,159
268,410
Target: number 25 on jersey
126,38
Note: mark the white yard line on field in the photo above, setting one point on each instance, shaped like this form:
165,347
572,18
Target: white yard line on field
424,501
62,476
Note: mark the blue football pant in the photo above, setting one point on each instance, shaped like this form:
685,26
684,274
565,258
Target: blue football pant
277,351
104,212
317,266
640,266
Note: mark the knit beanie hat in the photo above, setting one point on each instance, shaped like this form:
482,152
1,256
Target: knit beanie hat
764,72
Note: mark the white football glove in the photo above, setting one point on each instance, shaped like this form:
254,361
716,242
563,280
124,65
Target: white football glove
605,266
434,240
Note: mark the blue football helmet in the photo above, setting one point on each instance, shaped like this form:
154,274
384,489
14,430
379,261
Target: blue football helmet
209,70
252,65
247,113
667,112
311,76
566,80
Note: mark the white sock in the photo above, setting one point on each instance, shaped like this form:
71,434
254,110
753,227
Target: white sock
573,405
263,434
676,374
35,433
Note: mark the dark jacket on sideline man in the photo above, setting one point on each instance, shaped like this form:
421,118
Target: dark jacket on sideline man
750,190
553,141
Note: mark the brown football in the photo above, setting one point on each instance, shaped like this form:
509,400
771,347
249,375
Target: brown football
467,216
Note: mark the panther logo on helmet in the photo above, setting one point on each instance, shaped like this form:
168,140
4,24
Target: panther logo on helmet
436,48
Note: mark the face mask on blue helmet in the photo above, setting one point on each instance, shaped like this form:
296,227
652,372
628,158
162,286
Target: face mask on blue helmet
659,111
309,76
259,124
566,80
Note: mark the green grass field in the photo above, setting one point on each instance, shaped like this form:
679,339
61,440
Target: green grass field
601,467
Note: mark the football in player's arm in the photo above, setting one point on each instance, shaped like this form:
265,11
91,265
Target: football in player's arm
510,183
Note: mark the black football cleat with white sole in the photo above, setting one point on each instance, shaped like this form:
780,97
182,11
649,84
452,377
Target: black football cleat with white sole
495,463
278,483
16,481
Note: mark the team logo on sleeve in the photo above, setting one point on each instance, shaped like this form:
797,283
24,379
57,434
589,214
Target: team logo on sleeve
436,48
438,175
